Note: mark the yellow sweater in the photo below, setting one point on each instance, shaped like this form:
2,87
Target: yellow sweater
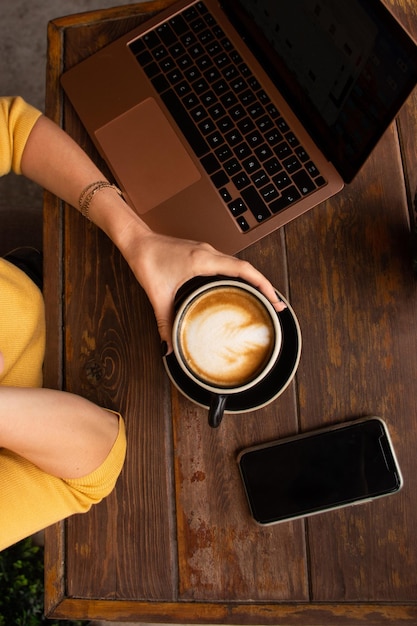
17,119
30,499
22,323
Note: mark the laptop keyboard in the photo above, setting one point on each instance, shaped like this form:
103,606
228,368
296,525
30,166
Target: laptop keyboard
249,151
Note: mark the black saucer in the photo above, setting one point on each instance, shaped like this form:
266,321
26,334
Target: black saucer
264,392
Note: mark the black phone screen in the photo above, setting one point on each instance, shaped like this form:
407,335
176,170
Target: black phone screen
320,470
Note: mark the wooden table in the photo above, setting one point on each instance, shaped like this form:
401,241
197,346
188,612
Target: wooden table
175,542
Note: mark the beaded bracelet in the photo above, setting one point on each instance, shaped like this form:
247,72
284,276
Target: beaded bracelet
89,192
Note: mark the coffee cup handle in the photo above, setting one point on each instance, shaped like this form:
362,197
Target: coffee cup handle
216,410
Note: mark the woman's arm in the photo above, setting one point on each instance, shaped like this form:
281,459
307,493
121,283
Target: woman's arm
161,264
63,434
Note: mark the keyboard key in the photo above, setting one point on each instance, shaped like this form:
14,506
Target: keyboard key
137,46
244,226
241,180
207,126
199,113
269,193
251,165
196,51
292,164
245,125
185,62
166,34
215,139
289,196
255,203
233,137
192,74
151,70
237,207
255,110
220,87
216,111
301,154
282,180
273,137
159,53
282,150
211,75
188,40
205,37
208,98
200,86
167,64
210,164
160,83
178,24
151,39
237,111
144,58
312,169
183,89
263,152
242,150
225,124
272,166
247,97
282,125
221,60
272,110
176,50
303,182
264,123
220,179
228,100
223,153
190,100
198,25
213,48
174,77
190,14
291,139
232,167
254,139
260,178
225,195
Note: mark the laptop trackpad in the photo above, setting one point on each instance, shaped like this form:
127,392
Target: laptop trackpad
146,156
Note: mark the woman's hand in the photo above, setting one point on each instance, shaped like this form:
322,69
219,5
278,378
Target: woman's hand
162,264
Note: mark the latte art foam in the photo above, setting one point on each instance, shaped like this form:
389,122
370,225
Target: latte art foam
226,337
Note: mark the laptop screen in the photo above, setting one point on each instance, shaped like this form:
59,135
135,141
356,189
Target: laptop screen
345,68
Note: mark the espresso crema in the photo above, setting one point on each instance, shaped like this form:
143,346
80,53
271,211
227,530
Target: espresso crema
226,337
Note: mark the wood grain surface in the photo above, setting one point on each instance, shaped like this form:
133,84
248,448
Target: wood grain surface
175,542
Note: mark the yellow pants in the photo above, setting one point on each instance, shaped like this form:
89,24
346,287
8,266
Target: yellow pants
31,499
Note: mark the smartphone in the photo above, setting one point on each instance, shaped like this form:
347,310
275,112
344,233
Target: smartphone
318,471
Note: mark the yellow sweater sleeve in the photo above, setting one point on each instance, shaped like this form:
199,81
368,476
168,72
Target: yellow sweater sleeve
31,500
17,118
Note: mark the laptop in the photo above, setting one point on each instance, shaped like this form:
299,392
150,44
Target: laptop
223,120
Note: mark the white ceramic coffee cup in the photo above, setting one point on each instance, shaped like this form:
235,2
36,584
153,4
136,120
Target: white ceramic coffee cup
226,337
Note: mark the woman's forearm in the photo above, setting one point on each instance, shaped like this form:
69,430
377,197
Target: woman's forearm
63,434
56,162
